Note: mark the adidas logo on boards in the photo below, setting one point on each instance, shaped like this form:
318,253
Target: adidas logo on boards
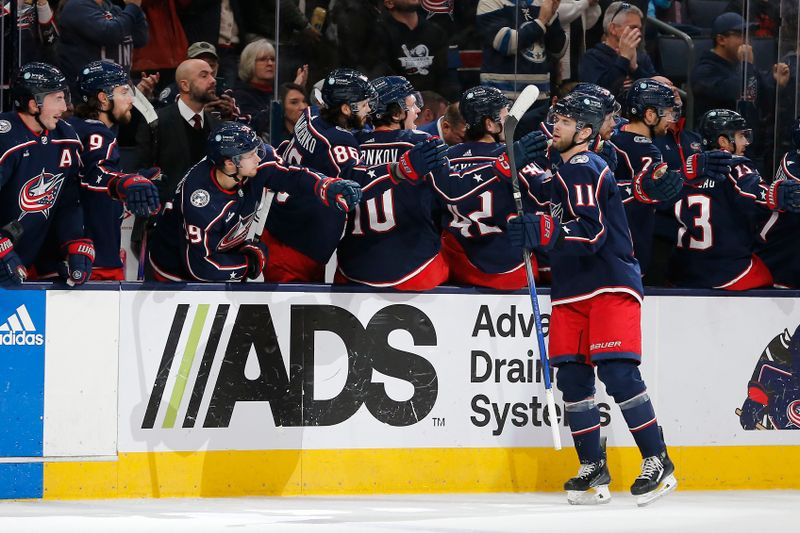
19,330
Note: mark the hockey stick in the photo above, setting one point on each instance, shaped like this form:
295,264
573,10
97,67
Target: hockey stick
259,220
759,425
524,101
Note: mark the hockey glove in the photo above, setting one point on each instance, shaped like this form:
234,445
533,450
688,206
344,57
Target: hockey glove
534,231
12,271
784,195
532,148
344,194
419,161
714,165
606,150
753,407
659,185
138,192
77,267
257,254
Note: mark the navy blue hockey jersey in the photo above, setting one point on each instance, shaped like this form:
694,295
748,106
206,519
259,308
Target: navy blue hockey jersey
596,253
39,185
718,228
198,232
779,237
477,217
301,222
636,156
396,232
102,215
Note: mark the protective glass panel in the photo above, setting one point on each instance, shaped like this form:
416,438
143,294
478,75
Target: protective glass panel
787,106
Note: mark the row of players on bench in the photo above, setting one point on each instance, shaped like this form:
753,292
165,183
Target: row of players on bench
434,214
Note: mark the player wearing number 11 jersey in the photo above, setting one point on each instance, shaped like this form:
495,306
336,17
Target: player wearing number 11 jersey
719,214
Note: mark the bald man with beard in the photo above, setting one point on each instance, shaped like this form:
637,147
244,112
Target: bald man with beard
178,141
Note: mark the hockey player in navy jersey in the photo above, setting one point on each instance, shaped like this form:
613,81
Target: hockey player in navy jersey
719,215
302,235
475,243
202,233
393,239
643,177
41,223
107,100
779,236
596,296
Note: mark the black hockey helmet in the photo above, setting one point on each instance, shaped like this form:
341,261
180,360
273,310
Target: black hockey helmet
796,133
481,102
393,90
586,109
722,122
610,104
231,140
647,93
347,86
36,80
102,76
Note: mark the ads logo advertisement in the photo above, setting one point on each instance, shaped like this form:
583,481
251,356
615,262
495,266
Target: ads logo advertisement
773,392
290,391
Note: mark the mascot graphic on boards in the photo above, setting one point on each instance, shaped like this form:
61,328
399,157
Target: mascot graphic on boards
773,394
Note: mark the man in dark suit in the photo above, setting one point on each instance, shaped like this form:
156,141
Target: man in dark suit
178,141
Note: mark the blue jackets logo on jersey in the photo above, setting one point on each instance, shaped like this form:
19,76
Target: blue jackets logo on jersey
39,194
237,234
773,393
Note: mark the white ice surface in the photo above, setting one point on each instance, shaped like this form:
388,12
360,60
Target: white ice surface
680,512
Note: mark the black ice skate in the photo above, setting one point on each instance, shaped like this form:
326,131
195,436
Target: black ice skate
656,480
590,486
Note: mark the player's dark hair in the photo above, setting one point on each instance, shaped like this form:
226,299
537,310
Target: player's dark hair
387,118
89,109
333,116
476,132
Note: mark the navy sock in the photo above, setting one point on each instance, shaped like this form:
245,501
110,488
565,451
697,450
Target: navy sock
641,418
584,423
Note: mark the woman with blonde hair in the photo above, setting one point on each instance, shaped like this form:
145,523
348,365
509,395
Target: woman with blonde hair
255,92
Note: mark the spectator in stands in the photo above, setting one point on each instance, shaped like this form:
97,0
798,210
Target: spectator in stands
514,58
294,101
765,15
220,23
179,139
254,90
718,82
405,44
300,42
434,105
576,17
98,29
450,127
618,60
224,106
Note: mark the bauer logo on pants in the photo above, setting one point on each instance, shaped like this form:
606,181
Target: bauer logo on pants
253,368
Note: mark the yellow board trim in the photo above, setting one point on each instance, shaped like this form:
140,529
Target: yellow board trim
415,470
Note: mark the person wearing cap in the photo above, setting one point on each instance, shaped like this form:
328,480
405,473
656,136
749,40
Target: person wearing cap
718,79
618,60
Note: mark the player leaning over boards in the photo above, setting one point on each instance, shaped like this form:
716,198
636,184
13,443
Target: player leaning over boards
301,235
596,297
201,234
